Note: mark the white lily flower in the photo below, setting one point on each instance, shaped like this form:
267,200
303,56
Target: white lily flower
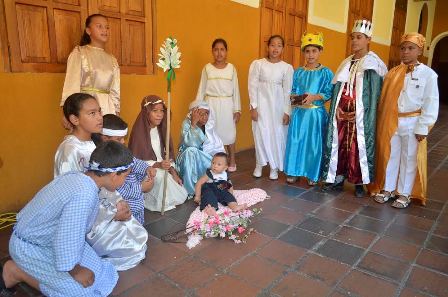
169,56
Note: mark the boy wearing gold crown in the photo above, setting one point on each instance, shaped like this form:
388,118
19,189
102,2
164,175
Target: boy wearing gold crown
311,88
350,142
408,109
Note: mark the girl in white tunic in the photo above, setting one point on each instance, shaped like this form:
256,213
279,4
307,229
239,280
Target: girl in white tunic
90,69
147,142
219,87
270,81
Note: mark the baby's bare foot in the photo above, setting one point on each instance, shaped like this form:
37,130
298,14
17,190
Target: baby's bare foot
241,207
210,211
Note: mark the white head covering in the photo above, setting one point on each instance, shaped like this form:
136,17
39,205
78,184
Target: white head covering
213,144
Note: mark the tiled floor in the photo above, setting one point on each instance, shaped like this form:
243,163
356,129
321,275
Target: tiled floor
307,243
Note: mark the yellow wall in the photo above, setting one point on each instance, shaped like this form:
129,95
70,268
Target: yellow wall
30,127
440,18
413,17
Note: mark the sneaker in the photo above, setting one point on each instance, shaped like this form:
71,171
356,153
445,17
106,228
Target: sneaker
359,191
273,175
258,171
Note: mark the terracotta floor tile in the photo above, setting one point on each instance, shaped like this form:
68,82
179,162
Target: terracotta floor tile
407,234
301,205
428,281
383,213
301,238
316,196
441,230
132,277
190,273
225,286
438,243
354,236
318,226
286,216
339,251
155,286
163,225
361,284
287,190
393,248
161,255
414,222
384,266
298,285
429,214
282,252
323,269
268,227
255,241
347,205
407,292
222,252
332,214
434,260
257,271
368,224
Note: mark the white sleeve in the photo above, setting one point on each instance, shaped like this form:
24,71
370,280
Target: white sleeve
72,82
236,92
202,86
253,83
430,108
287,85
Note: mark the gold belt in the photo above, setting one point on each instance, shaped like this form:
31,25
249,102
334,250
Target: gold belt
307,106
207,95
410,114
94,90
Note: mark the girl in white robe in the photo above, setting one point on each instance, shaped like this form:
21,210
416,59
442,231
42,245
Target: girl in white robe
147,142
270,81
219,87
91,70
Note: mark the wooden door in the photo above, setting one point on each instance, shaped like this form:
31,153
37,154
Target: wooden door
288,19
397,31
42,33
358,9
131,32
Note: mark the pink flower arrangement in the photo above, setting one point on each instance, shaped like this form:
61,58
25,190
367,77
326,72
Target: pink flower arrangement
233,225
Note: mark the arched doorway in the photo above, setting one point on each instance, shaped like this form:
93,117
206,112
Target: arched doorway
439,63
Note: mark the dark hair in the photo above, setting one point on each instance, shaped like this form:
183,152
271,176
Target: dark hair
85,38
110,154
219,40
73,104
114,122
313,45
276,36
221,154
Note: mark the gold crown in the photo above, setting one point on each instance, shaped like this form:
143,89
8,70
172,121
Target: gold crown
363,26
312,39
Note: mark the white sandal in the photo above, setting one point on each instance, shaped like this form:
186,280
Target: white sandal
402,202
383,197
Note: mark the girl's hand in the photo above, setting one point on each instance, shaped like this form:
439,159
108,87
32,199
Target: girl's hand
165,165
123,211
420,137
151,172
176,177
195,116
197,198
82,275
285,119
236,117
147,184
310,99
254,114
